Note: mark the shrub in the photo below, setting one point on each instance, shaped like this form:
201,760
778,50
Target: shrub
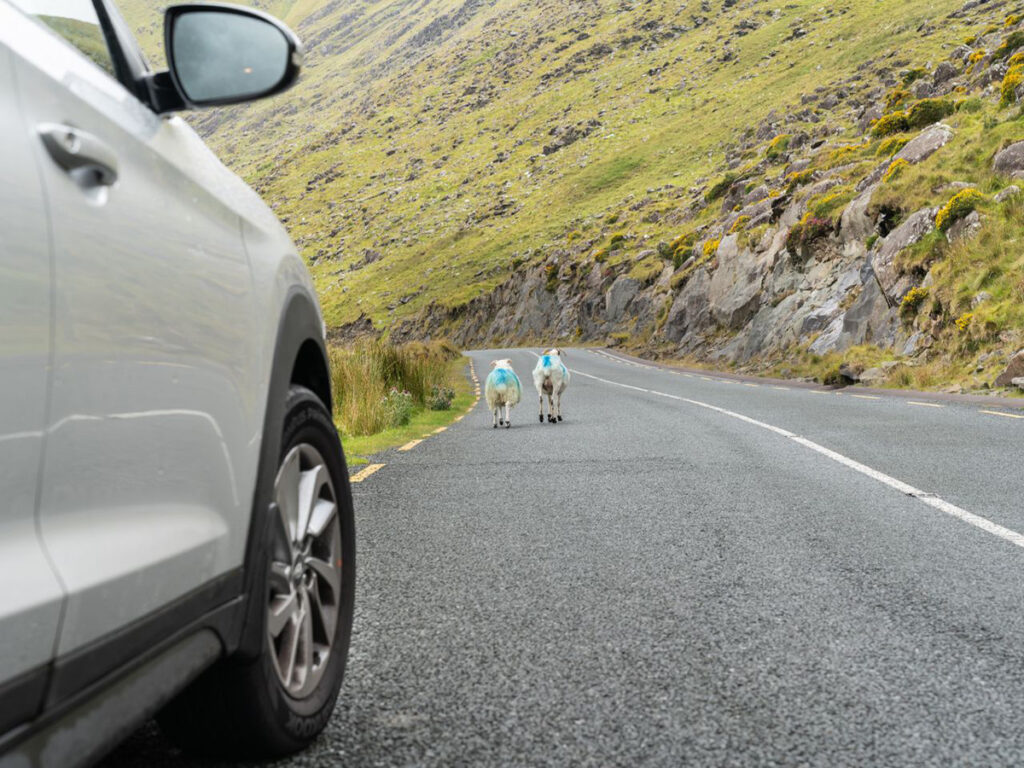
913,75
970,106
551,273
397,405
1012,20
896,98
835,199
889,124
680,255
974,58
964,322
611,218
895,169
809,229
842,154
1011,81
777,147
739,224
870,242
798,179
1013,41
961,204
440,398
891,146
711,247
600,255
911,302
720,187
928,111
616,239
574,235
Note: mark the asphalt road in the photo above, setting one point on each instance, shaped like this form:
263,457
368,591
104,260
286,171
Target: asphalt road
657,582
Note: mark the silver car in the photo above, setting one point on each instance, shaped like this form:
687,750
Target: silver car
176,531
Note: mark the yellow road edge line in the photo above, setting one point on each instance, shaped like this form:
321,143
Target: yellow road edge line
1003,413
924,405
410,445
364,473
439,430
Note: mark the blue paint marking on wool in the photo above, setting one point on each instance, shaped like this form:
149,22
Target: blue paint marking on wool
546,361
564,372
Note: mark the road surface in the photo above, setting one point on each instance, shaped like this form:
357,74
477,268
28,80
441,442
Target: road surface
687,570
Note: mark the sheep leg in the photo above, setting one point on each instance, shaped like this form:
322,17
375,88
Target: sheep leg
551,408
508,415
558,406
541,398
494,413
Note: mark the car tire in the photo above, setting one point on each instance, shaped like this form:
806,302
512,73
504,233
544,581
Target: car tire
278,702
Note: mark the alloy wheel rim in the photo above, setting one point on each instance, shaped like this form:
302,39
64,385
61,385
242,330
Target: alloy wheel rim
305,571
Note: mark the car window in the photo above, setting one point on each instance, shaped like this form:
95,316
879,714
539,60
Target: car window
76,21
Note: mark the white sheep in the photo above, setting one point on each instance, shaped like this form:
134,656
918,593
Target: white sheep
551,378
502,388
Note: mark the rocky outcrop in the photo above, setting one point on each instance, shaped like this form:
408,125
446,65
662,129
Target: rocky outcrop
1014,370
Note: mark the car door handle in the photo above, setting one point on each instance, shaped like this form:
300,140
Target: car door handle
88,160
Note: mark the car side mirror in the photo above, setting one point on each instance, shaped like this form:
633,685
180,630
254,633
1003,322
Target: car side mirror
221,54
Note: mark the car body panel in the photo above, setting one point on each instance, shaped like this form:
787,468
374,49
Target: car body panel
159,383
29,614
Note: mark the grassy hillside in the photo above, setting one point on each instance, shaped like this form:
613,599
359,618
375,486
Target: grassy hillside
433,146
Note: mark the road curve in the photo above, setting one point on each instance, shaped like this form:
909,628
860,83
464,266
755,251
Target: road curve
687,570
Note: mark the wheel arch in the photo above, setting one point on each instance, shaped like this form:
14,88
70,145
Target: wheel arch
300,357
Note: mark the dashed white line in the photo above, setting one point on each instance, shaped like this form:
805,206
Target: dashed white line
924,405
930,499
1005,414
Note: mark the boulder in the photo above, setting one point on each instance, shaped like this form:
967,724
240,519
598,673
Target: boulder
945,71
922,89
872,377
906,234
1010,160
1014,370
1011,191
926,143
1018,382
966,228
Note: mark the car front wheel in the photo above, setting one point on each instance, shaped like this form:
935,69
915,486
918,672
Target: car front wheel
280,701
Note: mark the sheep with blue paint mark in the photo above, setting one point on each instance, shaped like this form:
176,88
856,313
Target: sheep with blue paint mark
502,388
551,378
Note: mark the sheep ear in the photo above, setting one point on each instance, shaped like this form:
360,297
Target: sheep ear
494,363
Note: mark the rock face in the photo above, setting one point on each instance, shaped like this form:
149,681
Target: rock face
1014,370
925,144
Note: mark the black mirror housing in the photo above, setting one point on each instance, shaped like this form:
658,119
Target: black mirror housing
220,54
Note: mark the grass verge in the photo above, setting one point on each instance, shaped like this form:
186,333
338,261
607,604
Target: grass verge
422,423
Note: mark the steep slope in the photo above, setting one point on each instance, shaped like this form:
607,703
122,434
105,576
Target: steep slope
439,156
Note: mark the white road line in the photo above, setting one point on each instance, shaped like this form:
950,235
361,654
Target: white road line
783,389
1004,413
924,405
930,499
867,397
364,473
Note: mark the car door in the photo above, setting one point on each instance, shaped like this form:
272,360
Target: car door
155,421
30,605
